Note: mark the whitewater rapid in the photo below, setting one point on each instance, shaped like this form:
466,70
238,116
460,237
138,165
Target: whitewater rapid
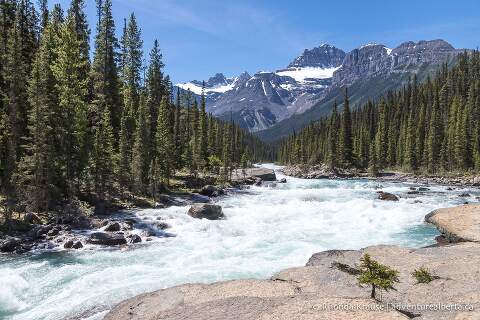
266,229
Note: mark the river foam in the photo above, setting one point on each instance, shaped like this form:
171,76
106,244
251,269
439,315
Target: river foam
266,229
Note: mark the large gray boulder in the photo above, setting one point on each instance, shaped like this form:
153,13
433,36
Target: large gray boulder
106,239
252,173
205,210
457,224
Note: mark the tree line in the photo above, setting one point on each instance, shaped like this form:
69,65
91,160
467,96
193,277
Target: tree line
71,126
428,128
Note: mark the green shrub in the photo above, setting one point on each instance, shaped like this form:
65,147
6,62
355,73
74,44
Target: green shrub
423,275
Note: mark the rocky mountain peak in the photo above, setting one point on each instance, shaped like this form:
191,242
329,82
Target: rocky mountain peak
376,59
323,56
217,80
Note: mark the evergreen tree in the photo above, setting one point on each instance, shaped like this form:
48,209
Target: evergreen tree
333,137
202,144
227,155
106,94
155,89
76,13
37,180
43,6
103,159
71,84
381,136
434,138
462,147
410,154
377,275
164,145
177,134
141,155
345,145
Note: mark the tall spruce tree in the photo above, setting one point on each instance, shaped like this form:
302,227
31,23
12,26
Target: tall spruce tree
103,160
164,145
141,149
105,82
76,12
71,84
333,138
202,144
346,143
155,90
38,180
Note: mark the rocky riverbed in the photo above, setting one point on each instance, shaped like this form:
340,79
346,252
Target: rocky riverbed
325,172
327,288
75,230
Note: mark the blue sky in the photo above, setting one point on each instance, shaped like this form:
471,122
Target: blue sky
201,37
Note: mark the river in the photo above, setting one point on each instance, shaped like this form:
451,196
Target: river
266,229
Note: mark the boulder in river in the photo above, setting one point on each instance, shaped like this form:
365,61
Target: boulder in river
209,191
68,244
9,245
387,196
134,238
205,210
112,227
283,180
263,173
77,245
106,239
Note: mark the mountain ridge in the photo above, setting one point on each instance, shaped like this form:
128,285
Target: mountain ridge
269,99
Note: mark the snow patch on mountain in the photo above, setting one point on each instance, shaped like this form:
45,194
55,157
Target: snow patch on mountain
198,89
371,44
303,74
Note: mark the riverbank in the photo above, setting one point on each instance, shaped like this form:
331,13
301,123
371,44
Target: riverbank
324,172
79,226
326,288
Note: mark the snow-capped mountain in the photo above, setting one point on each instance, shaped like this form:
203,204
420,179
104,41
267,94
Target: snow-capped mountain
267,98
259,101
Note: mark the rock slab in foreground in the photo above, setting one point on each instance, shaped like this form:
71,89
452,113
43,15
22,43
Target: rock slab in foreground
457,224
301,293
206,211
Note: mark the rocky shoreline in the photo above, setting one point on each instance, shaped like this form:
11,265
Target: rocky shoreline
327,287
76,230
324,172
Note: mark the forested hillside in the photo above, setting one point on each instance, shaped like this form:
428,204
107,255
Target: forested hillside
433,127
71,126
